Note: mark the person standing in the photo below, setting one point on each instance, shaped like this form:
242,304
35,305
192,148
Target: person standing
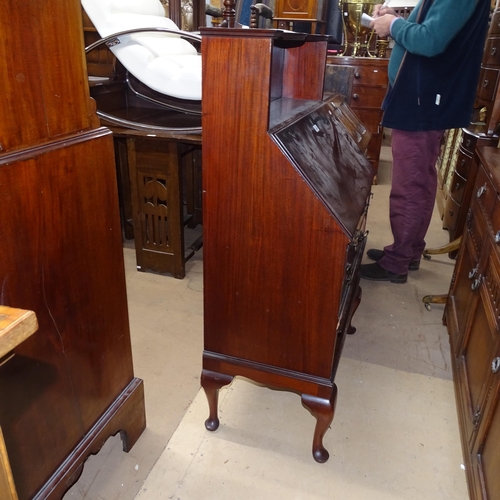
433,73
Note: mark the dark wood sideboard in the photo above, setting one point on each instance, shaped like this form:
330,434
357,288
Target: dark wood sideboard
284,210
472,315
68,388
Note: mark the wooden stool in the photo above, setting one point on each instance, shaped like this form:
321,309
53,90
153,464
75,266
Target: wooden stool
160,189
16,325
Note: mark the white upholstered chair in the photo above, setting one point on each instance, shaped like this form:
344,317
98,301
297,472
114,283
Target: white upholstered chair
151,48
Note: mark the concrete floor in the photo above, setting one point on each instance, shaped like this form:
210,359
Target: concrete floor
395,431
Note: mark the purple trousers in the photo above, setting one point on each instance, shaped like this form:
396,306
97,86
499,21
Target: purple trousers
413,193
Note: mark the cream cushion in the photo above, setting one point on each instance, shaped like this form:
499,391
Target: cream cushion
162,61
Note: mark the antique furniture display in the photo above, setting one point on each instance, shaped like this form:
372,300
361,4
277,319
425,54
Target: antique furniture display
472,318
366,91
70,386
284,208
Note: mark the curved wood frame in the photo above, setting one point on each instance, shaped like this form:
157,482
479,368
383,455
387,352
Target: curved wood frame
162,100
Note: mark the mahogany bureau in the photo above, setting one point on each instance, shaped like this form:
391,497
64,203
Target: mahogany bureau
285,197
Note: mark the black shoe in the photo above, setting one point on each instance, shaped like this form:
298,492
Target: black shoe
376,272
376,255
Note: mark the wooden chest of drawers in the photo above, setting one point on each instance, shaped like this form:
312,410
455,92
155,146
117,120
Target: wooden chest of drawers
366,93
472,317
460,181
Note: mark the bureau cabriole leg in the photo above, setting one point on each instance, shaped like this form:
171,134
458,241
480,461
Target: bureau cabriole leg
211,383
323,410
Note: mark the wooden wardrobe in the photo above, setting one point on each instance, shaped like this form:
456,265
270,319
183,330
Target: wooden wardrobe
65,390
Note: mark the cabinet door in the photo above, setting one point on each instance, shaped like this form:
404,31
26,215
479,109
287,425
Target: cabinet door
480,340
486,451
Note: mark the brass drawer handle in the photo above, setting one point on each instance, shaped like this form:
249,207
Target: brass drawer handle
495,364
473,272
357,75
481,191
355,97
497,237
493,51
485,84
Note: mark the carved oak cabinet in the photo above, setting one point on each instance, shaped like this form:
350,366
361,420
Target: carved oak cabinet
65,390
472,316
284,207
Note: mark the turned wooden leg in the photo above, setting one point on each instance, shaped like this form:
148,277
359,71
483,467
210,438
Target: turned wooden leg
211,383
322,410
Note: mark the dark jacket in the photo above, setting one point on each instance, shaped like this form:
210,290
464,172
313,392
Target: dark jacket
437,93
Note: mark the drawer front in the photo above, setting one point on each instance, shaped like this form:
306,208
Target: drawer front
478,231
495,221
463,164
373,150
450,215
457,187
484,193
491,55
468,144
369,75
495,24
487,84
367,97
370,118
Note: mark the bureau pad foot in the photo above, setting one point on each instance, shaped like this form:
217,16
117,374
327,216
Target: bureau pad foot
211,383
323,410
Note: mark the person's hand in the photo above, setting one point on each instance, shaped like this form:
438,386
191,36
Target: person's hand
382,24
379,10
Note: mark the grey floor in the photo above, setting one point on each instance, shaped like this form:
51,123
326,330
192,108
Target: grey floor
395,431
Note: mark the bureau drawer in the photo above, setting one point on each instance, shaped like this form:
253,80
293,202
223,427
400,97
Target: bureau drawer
478,229
484,193
369,75
491,55
457,187
495,220
367,97
495,24
373,150
464,161
370,118
487,86
450,215
468,143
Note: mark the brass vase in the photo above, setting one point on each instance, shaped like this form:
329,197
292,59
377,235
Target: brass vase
352,11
